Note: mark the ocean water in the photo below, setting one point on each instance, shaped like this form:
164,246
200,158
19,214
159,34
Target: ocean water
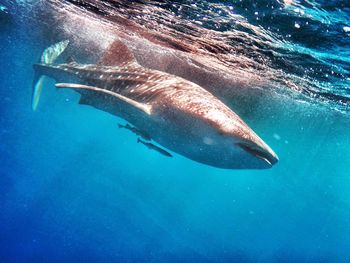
76,188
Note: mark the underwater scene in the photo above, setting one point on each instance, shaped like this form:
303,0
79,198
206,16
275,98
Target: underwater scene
174,131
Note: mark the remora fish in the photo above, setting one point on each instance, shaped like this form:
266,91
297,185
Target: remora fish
154,147
176,113
136,131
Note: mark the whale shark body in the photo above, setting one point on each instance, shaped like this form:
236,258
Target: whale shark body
176,113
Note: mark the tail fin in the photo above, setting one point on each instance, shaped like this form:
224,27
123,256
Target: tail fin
48,57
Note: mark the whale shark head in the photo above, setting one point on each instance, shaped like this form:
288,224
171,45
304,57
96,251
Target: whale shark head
252,153
237,145
220,138
260,155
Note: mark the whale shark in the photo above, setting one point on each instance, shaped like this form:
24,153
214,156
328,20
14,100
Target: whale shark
177,114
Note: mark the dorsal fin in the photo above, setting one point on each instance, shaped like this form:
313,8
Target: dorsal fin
118,54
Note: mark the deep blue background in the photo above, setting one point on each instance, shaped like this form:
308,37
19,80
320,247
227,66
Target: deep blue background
74,187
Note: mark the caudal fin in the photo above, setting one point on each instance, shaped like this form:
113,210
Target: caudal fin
48,57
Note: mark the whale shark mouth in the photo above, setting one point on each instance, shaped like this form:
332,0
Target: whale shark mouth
264,155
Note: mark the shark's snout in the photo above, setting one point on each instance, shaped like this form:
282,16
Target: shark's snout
263,152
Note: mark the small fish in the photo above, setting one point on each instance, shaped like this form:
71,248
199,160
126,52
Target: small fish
154,147
136,131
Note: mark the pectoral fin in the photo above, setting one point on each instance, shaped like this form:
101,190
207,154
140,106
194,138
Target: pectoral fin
142,107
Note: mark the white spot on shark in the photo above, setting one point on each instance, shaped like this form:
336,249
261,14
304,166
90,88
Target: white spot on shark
208,140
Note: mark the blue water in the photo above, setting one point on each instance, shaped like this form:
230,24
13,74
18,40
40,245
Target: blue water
75,188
